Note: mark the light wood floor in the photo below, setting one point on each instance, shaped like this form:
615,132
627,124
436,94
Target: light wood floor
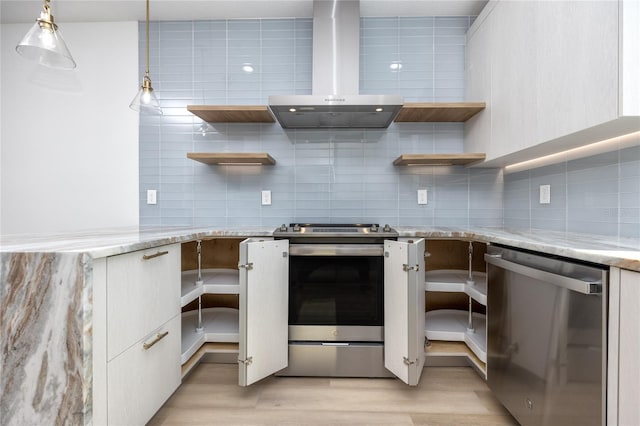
446,396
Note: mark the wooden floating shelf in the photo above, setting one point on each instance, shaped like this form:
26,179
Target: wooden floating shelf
415,112
438,112
232,113
233,158
438,159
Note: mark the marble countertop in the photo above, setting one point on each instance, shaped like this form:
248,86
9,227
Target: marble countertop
623,253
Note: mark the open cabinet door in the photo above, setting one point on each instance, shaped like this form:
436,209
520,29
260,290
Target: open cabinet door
404,309
264,307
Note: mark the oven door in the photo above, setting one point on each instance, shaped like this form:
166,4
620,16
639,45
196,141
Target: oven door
336,292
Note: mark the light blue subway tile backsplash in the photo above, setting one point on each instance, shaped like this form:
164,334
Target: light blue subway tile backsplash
320,175
597,195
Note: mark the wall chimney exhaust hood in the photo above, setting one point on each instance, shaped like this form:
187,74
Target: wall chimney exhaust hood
335,101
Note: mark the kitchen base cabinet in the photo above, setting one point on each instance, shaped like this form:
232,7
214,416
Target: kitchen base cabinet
456,294
209,299
136,334
623,387
143,377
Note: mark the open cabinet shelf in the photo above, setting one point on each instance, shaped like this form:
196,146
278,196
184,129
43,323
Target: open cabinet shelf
451,325
233,158
438,350
438,111
214,281
219,325
208,348
438,159
232,113
456,280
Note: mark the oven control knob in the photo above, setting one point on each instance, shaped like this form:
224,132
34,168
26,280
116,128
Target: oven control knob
283,228
296,228
374,228
386,228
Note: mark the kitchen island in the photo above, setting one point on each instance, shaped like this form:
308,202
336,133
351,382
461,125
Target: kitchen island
47,329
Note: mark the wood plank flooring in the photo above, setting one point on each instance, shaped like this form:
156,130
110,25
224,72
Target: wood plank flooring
210,395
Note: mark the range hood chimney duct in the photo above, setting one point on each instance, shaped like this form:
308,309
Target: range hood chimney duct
335,101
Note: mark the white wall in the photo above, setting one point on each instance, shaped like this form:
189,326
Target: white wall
68,140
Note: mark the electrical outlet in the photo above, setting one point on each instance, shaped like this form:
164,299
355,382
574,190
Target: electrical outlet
152,196
422,196
545,194
266,198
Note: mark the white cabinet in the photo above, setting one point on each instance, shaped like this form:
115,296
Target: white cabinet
136,334
444,324
555,75
623,381
264,309
142,294
143,377
403,309
213,329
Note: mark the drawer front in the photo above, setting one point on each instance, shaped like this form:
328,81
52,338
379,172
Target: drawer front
142,378
143,292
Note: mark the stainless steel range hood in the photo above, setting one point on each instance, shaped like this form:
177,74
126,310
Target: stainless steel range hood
335,101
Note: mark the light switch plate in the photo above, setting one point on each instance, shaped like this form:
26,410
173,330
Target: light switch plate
545,194
152,196
266,198
422,196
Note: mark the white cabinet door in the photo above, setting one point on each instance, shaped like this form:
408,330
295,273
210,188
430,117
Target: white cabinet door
143,292
404,309
623,383
144,376
264,309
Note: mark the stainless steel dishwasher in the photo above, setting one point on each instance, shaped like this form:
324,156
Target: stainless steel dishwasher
546,337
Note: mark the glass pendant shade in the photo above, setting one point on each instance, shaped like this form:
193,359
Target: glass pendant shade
44,44
145,100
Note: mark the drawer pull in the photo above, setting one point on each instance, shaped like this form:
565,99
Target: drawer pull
159,337
151,256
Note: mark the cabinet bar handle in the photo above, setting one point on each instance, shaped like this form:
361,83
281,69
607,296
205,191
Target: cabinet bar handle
158,337
151,256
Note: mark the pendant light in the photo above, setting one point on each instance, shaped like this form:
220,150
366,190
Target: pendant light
146,101
44,44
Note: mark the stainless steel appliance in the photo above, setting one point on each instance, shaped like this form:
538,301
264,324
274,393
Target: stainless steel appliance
335,101
546,337
336,299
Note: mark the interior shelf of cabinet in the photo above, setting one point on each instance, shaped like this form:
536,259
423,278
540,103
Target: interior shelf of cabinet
232,113
451,325
438,159
438,111
208,348
456,280
441,349
214,281
233,158
219,325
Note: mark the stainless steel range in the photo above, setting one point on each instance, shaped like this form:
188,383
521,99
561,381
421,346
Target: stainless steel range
336,299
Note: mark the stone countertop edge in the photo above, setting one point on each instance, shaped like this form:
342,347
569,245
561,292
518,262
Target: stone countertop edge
618,252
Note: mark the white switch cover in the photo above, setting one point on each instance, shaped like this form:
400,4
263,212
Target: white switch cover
152,196
422,196
266,198
545,194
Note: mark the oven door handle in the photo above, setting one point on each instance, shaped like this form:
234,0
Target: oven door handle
336,249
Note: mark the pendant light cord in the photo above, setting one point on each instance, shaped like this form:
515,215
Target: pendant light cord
146,71
46,7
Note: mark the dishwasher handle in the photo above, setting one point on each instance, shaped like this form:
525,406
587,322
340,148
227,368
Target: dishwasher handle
570,283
